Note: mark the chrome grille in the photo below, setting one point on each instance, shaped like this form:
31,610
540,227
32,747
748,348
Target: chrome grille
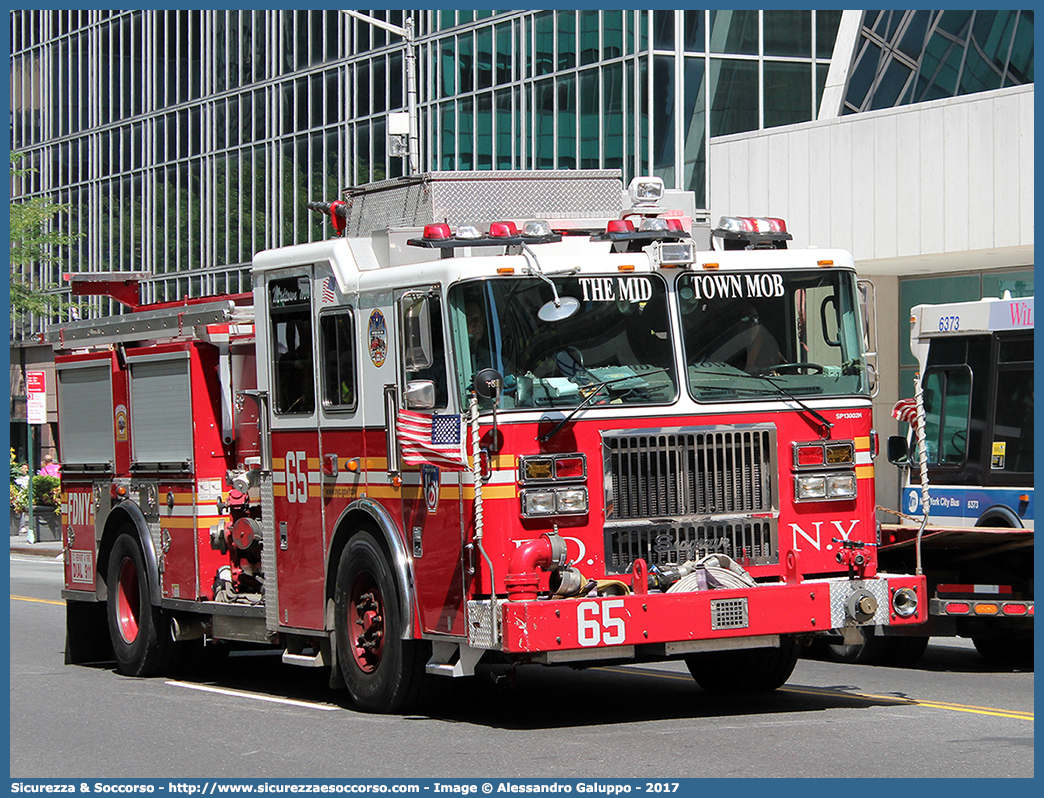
672,474
748,542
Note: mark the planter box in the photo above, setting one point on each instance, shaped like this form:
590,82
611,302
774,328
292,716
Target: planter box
48,524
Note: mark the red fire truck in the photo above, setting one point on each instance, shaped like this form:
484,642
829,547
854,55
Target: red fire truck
566,435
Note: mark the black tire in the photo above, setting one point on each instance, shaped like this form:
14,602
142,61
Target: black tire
903,651
383,672
871,651
141,635
1006,650
753,670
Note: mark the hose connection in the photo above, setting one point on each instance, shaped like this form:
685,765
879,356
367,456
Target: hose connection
545,553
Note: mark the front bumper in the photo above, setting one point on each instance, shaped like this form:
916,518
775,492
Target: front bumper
611,626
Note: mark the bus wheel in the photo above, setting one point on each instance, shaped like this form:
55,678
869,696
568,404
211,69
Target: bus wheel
383,672
753,670
142,640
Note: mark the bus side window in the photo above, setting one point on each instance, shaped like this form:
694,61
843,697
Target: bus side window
946,403
1013,427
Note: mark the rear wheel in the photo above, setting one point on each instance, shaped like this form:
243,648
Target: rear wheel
383,672
142,640
754,670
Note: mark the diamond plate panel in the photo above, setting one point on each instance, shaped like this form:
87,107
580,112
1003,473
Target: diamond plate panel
480,197
841,589
480,625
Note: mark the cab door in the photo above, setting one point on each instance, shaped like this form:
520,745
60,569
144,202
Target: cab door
431,490
296,464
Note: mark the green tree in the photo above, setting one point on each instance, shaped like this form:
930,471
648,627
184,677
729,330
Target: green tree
34,244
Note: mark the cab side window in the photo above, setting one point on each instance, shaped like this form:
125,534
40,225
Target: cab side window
293,369
337,344
435,371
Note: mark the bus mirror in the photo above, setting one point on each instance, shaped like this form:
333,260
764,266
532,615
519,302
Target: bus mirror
898,451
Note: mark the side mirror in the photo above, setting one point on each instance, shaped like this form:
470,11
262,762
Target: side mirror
416,333
420,395
488,384
898,451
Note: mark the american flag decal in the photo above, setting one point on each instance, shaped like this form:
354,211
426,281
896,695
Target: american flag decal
329,297
435,440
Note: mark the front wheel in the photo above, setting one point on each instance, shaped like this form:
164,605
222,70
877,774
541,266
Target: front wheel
754,670
142,639
383,672
1005,650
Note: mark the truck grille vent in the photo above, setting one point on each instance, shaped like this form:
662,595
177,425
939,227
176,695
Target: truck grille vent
749,542
729,614
686,473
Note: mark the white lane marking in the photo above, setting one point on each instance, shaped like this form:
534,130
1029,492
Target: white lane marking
255,696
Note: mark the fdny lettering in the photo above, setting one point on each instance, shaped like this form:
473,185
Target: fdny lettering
81,509
612,289
737,286
817,527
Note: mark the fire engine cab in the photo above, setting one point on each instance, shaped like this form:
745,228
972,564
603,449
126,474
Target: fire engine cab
498,417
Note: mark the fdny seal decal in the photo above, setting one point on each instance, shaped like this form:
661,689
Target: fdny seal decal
121,422
378,334
430,479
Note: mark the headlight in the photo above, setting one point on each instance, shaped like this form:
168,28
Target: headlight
538,502
571,500
810,488
825,487
555,501
841,486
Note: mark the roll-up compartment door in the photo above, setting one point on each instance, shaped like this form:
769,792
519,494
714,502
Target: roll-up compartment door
161,409
85,413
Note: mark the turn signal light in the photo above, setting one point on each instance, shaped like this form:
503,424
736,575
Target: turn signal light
986,609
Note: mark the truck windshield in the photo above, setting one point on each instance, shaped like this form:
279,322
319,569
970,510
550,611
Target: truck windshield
618,343
749,335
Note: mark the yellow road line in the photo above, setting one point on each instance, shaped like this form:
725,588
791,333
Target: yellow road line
1000,713
37,600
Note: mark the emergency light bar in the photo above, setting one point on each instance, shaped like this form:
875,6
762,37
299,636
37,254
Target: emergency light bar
501,234
751,232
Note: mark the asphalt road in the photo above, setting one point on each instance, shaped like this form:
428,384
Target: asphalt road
950,716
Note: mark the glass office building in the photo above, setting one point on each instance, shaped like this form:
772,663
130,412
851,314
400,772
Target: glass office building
184,141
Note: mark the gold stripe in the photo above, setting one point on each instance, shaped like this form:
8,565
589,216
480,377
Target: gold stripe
862,444
864,472
36,600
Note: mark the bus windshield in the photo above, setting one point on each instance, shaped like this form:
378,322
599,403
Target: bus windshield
750,335
616,345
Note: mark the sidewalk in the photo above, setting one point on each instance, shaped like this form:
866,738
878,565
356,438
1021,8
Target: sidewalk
20,545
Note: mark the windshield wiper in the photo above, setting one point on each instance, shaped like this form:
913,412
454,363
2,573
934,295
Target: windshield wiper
826,425
588,399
